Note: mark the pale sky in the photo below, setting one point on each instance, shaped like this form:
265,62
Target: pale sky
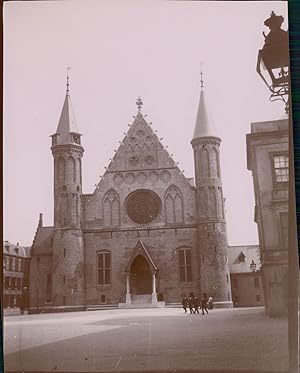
119,50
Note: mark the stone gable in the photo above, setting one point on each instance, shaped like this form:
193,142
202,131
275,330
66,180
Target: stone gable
140,163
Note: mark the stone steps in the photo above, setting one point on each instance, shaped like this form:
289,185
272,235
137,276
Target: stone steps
96,307
141,299
142,305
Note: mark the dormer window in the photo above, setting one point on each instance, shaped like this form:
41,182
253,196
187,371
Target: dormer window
76,138
55,139
242,257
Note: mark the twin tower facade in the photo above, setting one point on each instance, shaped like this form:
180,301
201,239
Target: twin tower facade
146,234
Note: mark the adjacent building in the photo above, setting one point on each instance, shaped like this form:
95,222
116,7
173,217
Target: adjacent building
267,158
144,235
15,275
245,275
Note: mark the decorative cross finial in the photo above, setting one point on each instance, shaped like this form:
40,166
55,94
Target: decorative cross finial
139,103
68,68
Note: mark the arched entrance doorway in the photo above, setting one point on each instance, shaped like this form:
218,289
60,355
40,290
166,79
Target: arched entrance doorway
141,276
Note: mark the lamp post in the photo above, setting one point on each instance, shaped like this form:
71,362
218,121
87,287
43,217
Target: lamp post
273,68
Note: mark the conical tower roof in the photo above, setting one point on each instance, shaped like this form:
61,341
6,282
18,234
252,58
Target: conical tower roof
67,123
204,126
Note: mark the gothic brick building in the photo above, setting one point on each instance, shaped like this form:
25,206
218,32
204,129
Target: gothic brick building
144,233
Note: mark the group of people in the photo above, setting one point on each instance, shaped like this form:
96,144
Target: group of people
193,303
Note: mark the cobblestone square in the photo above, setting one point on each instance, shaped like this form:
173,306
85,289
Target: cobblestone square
225,340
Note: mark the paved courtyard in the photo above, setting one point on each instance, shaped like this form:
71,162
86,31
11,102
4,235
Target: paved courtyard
226,340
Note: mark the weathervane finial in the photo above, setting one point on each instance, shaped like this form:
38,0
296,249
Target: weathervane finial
139,103
201,74
68,84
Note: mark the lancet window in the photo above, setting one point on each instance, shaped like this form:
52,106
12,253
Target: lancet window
173,205
111,208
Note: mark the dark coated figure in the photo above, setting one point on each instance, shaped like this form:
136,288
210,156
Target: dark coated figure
204,301
185,303
196,305
191,302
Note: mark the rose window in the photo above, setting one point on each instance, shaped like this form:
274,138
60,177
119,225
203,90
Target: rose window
143,206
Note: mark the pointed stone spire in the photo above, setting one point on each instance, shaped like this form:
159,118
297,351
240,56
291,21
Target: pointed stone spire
67,123
203,126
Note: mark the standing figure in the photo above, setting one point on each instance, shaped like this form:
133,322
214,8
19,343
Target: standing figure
191,302
210,303
196,305
204,301
184,303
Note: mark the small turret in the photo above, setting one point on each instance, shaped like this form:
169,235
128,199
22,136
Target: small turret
214,271
67,277
67,152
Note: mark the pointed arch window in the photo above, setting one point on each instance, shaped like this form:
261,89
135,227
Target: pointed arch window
71,169
111,208
64,209
77,177
212,204
103,267
61,171
204,163
215,170
185,264
173,205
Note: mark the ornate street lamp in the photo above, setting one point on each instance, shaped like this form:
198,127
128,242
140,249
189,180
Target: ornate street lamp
252,266
273,60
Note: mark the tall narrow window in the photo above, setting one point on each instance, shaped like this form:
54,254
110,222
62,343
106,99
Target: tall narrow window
281,168
204,163
104,268
185,265
111,208
71,169
173,205
61,171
